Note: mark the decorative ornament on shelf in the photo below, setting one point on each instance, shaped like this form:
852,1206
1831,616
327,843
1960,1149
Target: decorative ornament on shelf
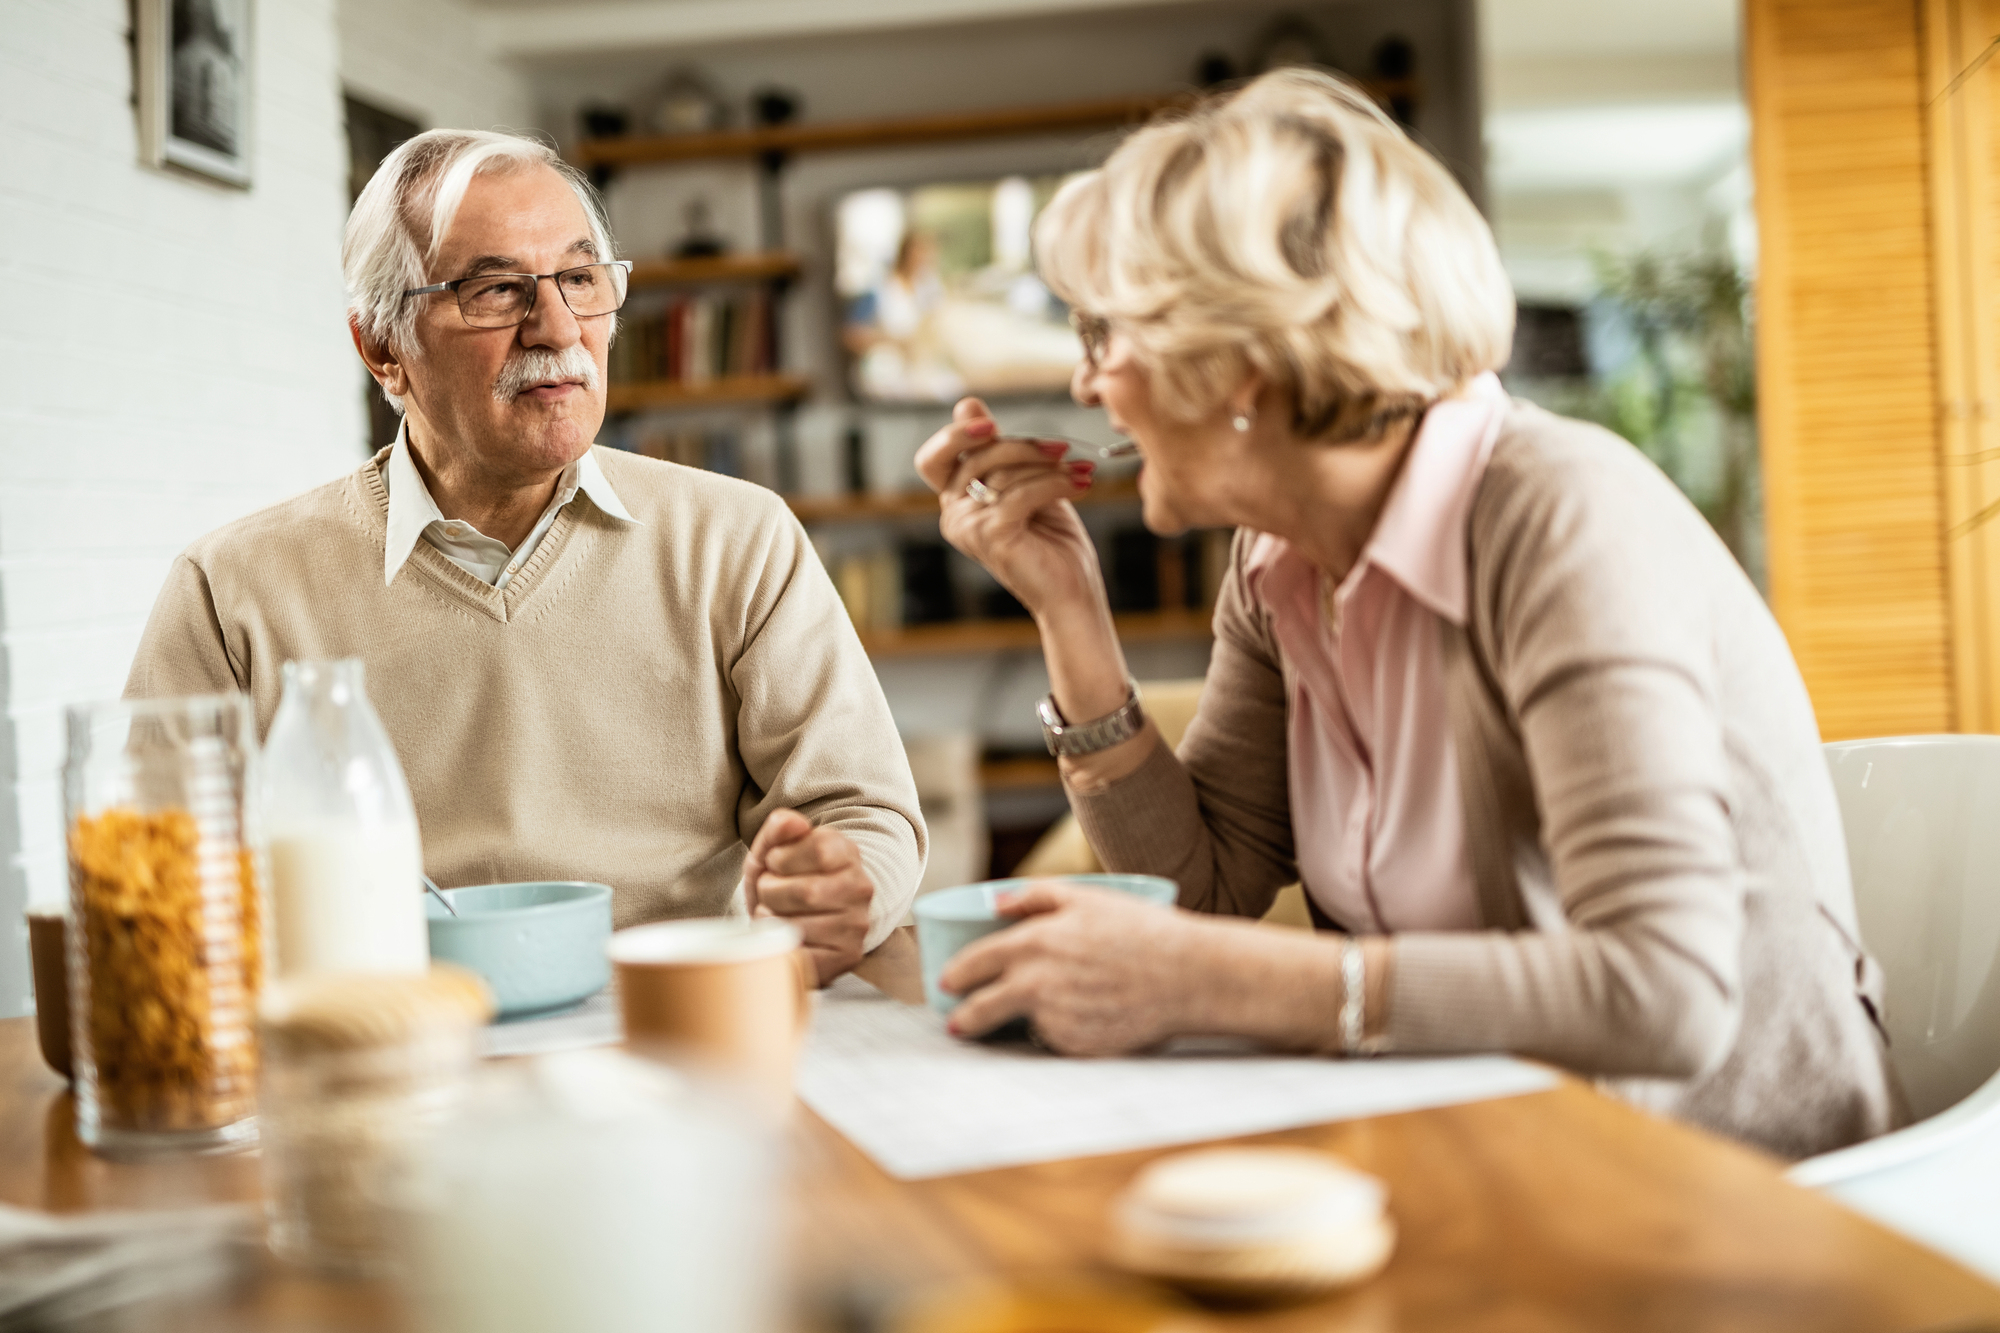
699,241
1396,66
1290,40
687,103
1212,69
774,106
603,120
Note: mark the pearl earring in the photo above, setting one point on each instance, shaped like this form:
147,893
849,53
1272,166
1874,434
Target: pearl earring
1241,421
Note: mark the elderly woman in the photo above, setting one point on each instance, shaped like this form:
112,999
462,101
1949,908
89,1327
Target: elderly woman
1482,680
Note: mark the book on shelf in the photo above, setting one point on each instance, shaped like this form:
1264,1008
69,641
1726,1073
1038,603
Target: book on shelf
710,449
871,588
887,588
697,338
1206,564
891,587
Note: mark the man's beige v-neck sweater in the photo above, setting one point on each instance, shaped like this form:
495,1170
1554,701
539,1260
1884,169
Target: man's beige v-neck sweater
627,710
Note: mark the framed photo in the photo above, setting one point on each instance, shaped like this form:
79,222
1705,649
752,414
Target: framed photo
196,74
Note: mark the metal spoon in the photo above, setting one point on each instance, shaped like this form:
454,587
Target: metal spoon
1122,449
438,894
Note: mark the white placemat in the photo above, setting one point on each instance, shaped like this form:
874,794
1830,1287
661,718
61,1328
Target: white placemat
922,1103
595,1022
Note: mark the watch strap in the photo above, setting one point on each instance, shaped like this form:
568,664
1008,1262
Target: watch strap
1076,738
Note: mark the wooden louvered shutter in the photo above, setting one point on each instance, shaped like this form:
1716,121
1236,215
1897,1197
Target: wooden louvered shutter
1847,367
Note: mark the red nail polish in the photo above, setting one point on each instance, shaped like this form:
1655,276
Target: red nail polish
981,428
1052,448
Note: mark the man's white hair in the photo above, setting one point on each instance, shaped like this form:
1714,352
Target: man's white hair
400,222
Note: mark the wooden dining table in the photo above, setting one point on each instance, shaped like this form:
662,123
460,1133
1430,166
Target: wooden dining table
1556,1210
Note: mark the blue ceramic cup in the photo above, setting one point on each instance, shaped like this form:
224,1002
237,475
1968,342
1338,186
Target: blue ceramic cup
539,945
950,919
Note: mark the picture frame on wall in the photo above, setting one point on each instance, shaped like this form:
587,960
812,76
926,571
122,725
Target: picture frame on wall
196,77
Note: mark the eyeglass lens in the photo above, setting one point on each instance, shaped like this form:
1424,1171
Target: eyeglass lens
497,300
1093,331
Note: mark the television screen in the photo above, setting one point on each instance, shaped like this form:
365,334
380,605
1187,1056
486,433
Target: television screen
939,294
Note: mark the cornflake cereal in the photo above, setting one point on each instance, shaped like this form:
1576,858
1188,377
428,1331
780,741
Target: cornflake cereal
173,963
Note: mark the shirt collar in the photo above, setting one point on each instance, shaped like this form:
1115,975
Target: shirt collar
587,476
411,508
412,511
1420,539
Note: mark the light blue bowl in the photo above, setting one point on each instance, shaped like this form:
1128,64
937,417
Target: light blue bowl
950,919
540,946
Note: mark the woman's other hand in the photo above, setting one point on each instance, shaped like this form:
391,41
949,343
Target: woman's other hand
1026,534
1095,971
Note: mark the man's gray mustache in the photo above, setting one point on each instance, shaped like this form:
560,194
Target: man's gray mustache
525,369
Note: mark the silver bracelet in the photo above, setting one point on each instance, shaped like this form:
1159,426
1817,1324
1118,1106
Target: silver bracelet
1354,996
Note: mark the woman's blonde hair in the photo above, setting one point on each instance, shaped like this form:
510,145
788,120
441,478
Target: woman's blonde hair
1292,229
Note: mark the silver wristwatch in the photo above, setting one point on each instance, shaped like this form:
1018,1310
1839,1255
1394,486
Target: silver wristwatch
1073,738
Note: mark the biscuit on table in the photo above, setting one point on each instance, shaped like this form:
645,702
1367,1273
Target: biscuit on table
1253,1222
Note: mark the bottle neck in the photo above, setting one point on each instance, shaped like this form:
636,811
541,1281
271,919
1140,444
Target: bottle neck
320,684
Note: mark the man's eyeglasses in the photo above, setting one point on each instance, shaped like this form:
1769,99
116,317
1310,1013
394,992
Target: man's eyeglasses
1095,333
501,300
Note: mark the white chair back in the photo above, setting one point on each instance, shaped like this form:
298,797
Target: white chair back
1922,815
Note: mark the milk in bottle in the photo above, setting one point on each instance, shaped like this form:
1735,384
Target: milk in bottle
346,862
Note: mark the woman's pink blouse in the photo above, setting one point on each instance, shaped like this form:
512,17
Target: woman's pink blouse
1376,816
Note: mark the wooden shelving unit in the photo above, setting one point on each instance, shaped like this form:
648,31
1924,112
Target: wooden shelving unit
1103,113
769,148
1020,773
808,138
637,396
987,636
753,267
919,504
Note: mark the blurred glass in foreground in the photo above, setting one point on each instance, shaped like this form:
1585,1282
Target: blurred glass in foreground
595,1190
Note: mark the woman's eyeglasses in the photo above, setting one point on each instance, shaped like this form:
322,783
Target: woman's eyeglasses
1094,331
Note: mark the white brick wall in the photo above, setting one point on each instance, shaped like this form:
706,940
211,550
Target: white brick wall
178,357
423,58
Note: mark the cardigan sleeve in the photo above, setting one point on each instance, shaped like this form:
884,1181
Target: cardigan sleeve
183,650
1594,612
814,731
1216,818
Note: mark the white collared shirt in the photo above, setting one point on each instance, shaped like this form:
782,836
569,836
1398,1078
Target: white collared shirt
413,515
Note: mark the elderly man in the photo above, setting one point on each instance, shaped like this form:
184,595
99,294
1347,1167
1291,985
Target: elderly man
593,665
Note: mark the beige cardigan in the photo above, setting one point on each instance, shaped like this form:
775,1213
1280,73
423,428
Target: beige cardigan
628,710
1654,835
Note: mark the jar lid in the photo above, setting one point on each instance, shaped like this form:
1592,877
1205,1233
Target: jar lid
343,1011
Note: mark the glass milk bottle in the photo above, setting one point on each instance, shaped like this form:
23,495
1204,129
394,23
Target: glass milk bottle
346,864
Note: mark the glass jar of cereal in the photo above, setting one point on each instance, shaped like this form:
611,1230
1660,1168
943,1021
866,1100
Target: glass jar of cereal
166,935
